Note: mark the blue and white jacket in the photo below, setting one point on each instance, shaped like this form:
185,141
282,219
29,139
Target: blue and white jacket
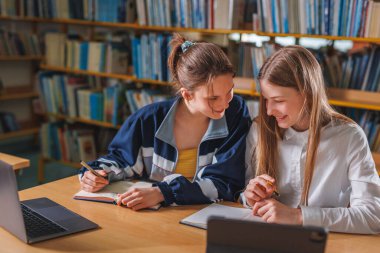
145,148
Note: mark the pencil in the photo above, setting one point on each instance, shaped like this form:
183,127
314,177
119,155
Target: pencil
274,192
84,164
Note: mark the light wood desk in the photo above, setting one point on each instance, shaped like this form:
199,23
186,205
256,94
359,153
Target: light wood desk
16,162
123,230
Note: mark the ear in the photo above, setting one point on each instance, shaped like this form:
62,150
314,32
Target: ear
186,94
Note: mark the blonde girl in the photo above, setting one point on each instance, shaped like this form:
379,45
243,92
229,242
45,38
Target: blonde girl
317,159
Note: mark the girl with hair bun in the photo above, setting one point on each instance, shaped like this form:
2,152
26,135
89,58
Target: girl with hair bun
192,146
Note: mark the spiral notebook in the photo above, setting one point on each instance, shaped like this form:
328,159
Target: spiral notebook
109,193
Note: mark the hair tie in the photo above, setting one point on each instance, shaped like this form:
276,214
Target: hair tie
185,45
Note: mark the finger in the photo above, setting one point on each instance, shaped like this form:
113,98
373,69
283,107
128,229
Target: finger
267,187
261,211
134,202
130,197
250,196
102,172
257,206
128,193
257,189
139,206
93,183
268,178
121,197
269,216
91,177
95,178
88,188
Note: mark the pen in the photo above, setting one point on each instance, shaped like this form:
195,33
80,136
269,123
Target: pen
274,192
84,164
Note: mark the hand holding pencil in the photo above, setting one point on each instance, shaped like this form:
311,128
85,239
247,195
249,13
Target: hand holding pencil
259,188
93,180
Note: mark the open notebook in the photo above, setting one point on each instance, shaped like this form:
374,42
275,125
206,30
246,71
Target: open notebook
200,218
109,193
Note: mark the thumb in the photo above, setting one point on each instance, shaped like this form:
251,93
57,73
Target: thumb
102,172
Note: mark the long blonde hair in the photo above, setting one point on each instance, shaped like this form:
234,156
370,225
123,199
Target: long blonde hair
295,67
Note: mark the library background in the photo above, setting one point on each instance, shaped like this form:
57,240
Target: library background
71,71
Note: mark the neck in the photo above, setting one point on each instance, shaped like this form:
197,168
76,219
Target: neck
302,125
186,111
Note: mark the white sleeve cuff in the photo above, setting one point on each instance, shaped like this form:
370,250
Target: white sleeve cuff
244,201
311,216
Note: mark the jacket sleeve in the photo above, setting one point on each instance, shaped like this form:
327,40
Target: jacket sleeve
123,159
223,179
363,214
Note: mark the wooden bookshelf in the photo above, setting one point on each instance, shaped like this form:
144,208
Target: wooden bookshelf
354,98
103,74
19,133
21,58
240,88
14,96
84,121
135,26
338,97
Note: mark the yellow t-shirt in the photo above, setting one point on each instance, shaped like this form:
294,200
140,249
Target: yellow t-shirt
187,162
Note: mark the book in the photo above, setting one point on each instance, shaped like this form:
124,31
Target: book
200,218
109,193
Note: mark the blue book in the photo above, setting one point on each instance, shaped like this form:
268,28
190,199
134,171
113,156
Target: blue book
308,18
358,14
331,17
103,50
374,68
274,15
355,64
340,18
349,18
83,58
363,67
135,41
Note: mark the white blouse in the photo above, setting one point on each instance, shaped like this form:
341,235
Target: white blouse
344,194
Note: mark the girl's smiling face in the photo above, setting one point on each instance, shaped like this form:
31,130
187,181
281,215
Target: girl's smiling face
285,104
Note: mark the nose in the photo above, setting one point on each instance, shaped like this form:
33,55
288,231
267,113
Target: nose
227,104
269,108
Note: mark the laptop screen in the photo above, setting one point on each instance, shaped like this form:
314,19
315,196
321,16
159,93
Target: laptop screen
227,235
10,214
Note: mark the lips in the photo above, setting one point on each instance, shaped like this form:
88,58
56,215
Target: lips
280,118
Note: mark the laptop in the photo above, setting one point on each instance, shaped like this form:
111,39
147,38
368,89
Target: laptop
228,235
36,219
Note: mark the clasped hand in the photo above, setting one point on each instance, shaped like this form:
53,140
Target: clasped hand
258,194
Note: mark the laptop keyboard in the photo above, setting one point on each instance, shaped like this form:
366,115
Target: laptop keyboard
36,225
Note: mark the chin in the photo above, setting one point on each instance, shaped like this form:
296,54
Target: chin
217,115
283,125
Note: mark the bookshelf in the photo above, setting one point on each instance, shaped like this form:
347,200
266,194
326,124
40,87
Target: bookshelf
337,97
21,58
15,96
20,92
19,133
138,27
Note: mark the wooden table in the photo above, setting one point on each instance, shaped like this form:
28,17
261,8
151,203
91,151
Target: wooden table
123,230
16,162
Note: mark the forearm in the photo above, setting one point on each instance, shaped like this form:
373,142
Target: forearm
360,220
181,191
